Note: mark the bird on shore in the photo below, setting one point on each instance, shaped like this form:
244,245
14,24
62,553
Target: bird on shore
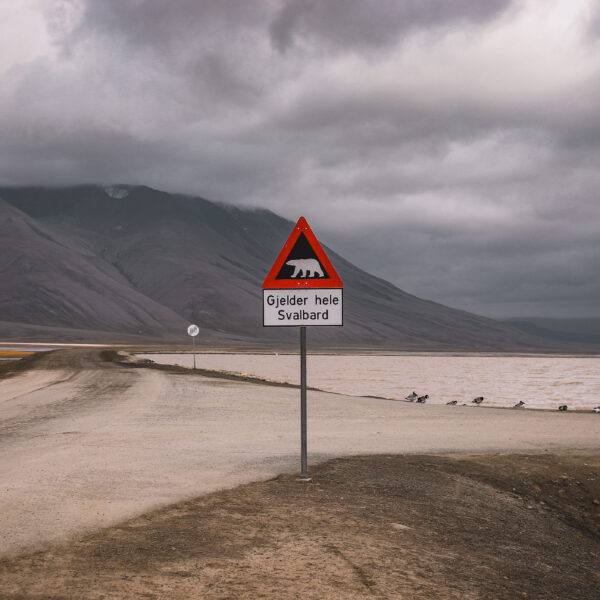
452,403
412,397
422,399
519,404
596,409
477,400
563,407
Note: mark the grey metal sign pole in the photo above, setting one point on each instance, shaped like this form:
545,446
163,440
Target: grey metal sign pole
194,349
303,452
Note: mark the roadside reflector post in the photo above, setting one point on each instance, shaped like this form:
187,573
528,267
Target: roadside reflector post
301,289
193,331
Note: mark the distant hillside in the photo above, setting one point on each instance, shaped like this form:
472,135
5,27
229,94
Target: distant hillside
575,331
128,263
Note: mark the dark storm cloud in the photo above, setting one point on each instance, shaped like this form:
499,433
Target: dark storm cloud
159,24
356,23
449,146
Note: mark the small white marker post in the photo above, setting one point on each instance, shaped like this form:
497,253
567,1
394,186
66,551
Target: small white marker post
193,331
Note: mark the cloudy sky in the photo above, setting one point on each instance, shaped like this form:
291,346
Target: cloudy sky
450,146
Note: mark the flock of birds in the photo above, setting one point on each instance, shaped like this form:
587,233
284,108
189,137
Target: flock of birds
414,397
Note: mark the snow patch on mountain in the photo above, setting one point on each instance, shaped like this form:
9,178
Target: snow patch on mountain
115,191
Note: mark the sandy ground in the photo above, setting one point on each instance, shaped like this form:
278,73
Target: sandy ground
87,443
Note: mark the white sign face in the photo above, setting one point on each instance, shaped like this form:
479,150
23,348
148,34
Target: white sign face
193,330
313,306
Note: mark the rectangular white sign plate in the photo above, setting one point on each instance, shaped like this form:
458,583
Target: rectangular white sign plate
296,307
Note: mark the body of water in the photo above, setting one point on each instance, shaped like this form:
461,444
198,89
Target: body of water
540,381
32,347
24,348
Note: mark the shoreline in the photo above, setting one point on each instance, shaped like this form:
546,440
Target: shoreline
255,378
183,348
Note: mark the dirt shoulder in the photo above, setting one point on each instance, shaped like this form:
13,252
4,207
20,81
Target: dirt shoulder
420,527
80,359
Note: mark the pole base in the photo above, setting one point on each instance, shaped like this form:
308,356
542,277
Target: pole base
304,478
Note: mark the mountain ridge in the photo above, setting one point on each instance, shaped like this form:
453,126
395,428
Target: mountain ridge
140,262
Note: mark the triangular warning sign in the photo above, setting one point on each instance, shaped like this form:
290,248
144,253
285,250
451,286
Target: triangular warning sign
302,263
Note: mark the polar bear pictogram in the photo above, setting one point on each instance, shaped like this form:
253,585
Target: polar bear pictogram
305,267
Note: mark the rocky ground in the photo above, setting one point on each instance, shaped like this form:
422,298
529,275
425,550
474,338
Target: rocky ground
420,527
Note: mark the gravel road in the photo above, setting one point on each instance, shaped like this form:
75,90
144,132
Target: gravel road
87,442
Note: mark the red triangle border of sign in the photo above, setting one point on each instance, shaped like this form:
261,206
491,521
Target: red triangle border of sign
272,283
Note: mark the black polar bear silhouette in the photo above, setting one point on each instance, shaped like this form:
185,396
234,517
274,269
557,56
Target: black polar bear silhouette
305,267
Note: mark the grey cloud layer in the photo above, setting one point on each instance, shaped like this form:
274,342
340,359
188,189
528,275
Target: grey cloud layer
449,146
356,23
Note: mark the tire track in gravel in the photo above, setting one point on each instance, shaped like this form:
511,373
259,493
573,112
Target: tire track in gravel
73,393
